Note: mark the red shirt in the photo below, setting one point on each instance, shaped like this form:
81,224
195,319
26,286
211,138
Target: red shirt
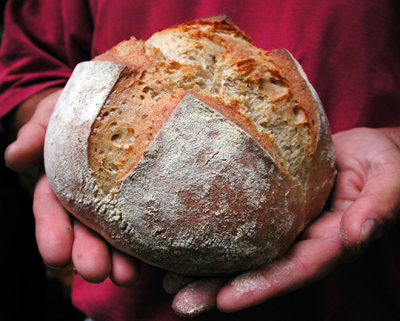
350,51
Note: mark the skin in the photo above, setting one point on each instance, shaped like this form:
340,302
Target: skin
59,237
359,212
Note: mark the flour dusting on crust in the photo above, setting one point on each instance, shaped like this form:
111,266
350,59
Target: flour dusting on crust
207,158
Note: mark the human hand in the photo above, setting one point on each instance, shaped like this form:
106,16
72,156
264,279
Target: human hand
59,238
364,204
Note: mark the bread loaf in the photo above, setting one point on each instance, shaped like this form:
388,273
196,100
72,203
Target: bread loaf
194,151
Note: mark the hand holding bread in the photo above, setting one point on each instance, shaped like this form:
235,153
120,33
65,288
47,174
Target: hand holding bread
339,235
194,151
359,212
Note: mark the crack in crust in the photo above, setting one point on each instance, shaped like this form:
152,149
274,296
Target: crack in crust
194,151
218,63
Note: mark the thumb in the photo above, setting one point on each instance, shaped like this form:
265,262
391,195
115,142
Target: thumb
26,151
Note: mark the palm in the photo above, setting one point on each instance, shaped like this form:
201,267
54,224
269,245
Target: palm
363,204
58,239
355,215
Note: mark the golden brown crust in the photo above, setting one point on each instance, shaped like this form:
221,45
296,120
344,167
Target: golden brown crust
206,155
160,81
321,163
219,22
321,168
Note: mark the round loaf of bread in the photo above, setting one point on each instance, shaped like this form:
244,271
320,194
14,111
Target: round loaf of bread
194,151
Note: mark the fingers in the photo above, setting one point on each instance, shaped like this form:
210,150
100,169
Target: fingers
58,241
257,286
364,203
26,151
198,297
125,269
372,171
54,233
94,260
307,261
90,254
319,251
281,277
173,282
370,215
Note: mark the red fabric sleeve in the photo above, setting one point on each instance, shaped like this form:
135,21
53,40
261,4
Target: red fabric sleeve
37,49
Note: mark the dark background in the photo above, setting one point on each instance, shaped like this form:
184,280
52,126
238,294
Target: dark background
29,290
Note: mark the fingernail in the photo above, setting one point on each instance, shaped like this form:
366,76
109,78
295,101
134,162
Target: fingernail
83,278
368,232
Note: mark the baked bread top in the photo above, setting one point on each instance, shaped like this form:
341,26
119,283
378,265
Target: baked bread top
195,150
